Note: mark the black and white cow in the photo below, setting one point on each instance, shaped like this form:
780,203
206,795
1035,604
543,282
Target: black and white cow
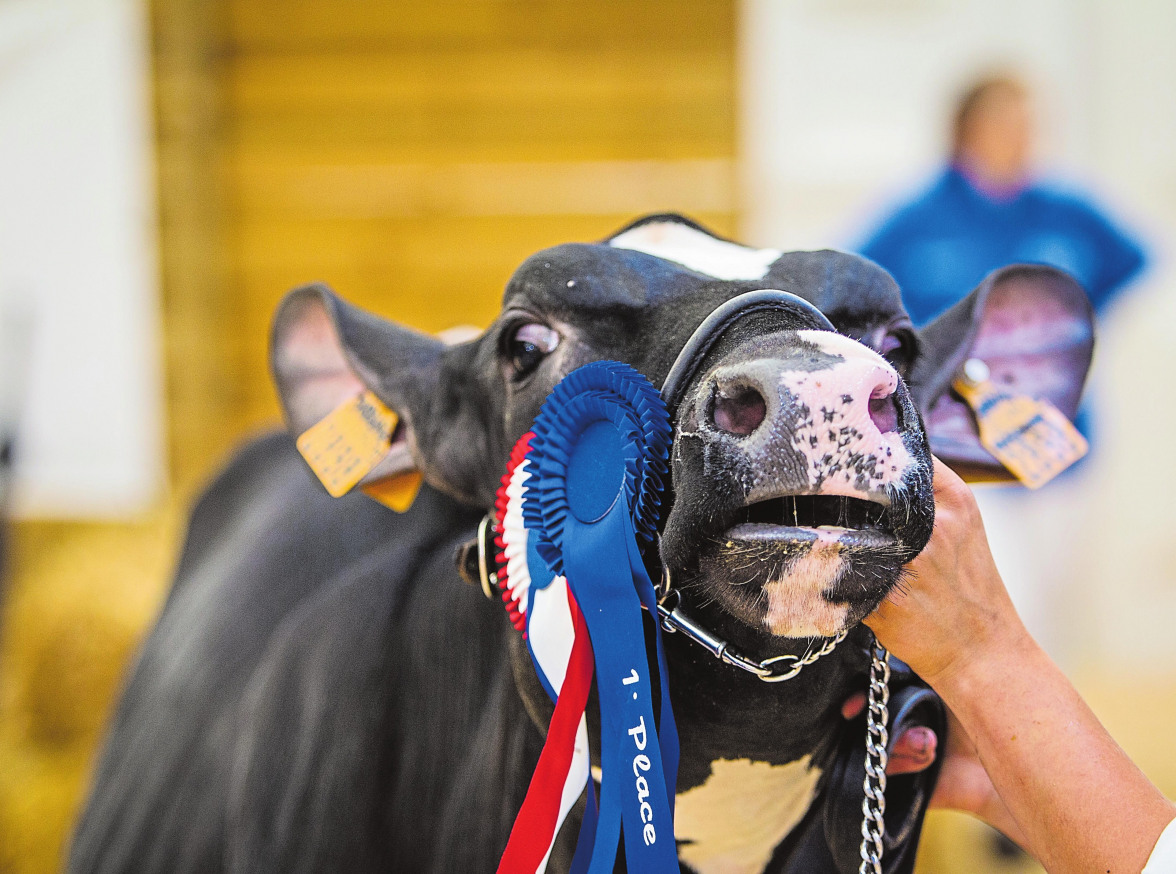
322,691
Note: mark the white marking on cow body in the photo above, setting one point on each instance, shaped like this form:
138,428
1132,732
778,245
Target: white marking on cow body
797,606
732,823
697,250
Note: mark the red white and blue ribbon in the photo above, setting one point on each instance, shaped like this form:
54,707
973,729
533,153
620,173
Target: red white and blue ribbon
581,490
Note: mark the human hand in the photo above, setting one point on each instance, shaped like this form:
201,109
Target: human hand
953,606
914,750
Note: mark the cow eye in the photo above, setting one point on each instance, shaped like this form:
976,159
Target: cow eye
528,346
898,347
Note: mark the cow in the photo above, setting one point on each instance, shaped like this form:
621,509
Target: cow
323,691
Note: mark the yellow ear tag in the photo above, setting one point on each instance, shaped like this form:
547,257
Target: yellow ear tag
351,440
1029,436
396,492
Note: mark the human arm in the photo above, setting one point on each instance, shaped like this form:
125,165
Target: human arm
1078,801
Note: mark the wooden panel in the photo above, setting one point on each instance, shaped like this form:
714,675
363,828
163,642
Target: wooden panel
411,159
348,25
370,192
498,105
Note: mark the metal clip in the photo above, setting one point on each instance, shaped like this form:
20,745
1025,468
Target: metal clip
488,580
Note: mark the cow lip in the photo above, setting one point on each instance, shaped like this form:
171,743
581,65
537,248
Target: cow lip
768,534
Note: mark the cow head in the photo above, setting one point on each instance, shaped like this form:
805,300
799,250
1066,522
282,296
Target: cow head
801,463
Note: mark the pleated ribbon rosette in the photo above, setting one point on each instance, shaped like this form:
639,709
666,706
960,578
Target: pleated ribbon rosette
581,495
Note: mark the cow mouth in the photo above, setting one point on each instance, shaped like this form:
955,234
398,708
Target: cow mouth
791,519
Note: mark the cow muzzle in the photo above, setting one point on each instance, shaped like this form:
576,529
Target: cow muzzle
806,476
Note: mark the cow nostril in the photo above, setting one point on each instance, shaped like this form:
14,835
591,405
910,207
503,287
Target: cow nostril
884,413
738,411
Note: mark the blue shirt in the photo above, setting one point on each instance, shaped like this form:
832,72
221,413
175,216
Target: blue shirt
941,244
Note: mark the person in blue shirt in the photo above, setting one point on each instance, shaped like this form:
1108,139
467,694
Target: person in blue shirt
985,210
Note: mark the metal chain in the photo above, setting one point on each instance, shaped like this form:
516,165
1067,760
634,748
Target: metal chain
800,661
877,737
675,619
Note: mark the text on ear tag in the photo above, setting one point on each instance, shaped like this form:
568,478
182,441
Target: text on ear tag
345,445
1029,436
396,492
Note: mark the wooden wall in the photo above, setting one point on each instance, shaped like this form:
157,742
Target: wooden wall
410,155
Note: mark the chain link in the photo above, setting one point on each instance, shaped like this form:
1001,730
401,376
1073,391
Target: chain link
674,619
800,662
877,737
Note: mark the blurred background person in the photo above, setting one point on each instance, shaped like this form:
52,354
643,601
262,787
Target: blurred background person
988,208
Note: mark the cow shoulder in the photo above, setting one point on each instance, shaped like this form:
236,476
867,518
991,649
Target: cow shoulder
262,538
382,730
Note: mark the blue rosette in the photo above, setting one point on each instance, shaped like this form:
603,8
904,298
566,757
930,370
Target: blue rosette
577,459
599,463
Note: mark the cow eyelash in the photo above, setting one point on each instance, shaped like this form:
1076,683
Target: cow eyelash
527,344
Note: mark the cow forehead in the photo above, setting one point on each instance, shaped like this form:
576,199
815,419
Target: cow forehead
580,278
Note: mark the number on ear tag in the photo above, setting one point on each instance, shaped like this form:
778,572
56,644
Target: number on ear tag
351,440
1029,436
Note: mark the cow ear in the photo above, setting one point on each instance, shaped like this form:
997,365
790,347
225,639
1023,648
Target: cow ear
325,353
1034,328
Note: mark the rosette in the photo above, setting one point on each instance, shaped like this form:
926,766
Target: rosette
582,491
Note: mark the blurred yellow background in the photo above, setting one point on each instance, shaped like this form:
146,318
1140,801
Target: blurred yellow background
410,155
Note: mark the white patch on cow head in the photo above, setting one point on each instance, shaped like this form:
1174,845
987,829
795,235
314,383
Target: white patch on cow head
697,250
845,451
733,822
797,606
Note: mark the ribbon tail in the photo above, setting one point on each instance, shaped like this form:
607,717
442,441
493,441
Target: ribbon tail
632,779
536,825
587,839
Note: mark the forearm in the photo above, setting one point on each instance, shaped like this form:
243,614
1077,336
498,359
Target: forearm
1081,804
